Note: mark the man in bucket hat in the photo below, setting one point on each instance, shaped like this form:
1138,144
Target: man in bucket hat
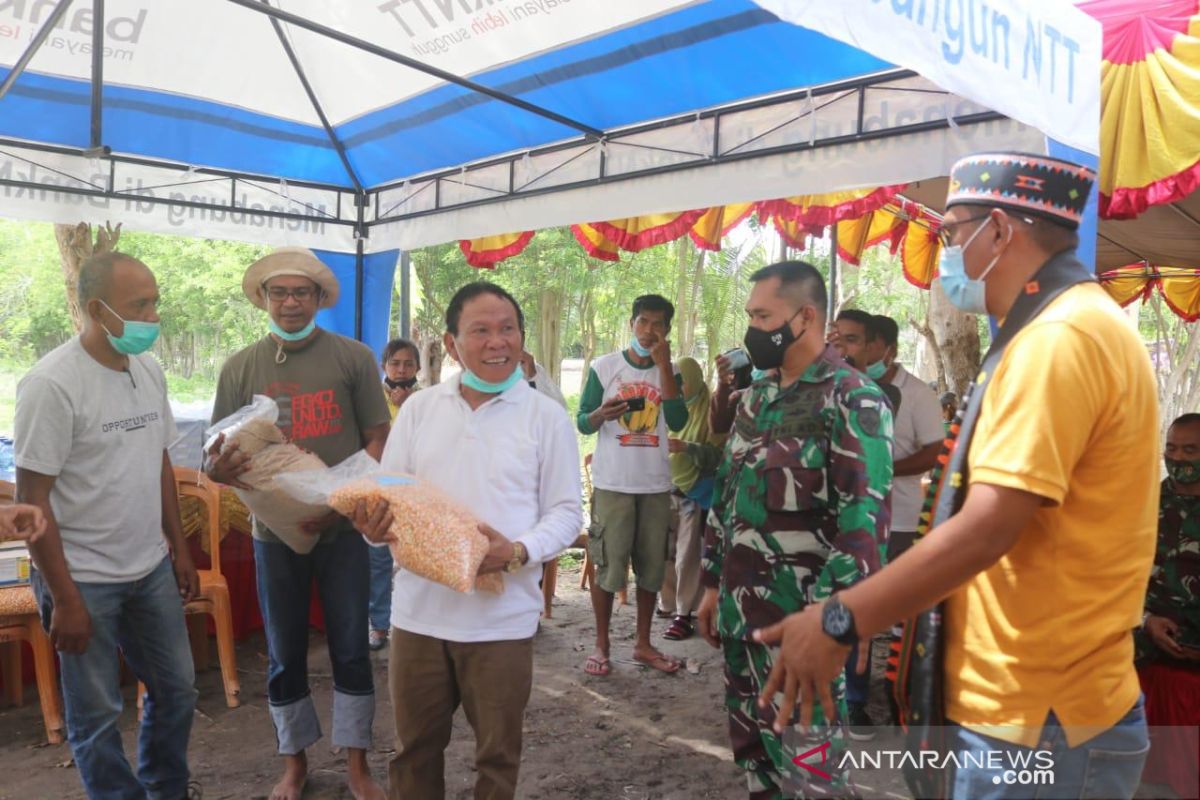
327,388
1035,549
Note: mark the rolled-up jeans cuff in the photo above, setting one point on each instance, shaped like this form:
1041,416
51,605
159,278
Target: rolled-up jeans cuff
296,726
353,718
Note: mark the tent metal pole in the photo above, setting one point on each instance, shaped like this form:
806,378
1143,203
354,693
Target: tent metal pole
97,73
361,199
412,63
405,295
39,37
316,104
833,274
359,272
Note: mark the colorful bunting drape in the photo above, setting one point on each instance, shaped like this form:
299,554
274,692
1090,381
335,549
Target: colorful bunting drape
1150,103
795,218
716,223
489,251
905,227
1179,287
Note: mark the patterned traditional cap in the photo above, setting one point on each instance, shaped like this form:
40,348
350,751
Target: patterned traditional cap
1047,187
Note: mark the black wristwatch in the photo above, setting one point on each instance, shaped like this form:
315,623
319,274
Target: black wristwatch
837,622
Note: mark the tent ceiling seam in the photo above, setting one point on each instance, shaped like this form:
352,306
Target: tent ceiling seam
261,7
316,103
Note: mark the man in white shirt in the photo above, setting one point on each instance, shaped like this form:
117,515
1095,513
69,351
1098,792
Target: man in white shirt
918,430
508,454
919,437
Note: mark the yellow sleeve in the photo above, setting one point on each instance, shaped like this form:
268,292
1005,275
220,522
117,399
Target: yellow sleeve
1040,410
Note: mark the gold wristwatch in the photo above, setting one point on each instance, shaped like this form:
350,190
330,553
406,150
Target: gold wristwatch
518,558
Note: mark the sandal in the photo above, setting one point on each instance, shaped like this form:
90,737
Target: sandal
377,640
598,666
681,628
660,662
663,613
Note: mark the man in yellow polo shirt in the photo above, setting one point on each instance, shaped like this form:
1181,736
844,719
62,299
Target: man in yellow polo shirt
1043,528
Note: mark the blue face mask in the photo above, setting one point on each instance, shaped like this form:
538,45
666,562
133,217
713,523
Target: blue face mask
964,292
877,370
470,379
137,338
291,337
637,348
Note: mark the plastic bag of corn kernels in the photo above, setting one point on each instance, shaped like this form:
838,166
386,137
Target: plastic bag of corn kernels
434,537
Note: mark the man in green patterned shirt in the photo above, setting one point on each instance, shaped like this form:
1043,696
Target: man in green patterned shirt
1171,629
800,511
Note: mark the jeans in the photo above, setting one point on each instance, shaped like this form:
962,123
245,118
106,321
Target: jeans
285,578
144,620
858,686
379,615
1108,765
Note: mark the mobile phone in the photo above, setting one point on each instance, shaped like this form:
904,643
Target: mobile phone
636,403
737,358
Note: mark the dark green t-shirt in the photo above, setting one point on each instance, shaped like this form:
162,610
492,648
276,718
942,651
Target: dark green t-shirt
327,392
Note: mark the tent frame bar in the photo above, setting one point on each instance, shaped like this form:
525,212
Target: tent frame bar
873,81
361,44
33,46
42,147
97,102
605,178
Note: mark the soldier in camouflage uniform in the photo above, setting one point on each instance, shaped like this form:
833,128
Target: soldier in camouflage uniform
1171,630
800,511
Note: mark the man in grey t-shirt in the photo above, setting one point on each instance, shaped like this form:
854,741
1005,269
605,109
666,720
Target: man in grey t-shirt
92,428
327,389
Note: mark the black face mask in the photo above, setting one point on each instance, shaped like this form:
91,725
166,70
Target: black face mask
404,384
766,348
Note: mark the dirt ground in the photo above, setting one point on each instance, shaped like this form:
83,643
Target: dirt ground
635,735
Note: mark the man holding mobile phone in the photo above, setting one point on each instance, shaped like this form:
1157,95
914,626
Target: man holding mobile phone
631,399
1171,627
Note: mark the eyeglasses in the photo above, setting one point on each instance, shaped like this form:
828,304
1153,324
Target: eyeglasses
303,294
946,233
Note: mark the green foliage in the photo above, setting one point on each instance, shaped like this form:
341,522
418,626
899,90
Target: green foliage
33,301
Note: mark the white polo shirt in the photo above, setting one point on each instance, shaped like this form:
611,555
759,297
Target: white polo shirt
918,424
514,463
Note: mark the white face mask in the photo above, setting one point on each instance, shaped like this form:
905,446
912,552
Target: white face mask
964,292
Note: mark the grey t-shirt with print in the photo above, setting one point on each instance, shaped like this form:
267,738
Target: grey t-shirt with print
327,391
101,433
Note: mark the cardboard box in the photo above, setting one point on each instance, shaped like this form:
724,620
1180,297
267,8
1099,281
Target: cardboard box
14,565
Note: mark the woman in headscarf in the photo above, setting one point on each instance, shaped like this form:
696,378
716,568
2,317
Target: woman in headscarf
695,456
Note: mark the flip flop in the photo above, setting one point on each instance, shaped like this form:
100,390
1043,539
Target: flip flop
680,628
661,663
598,666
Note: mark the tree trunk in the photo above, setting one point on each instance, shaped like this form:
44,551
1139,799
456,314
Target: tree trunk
957,337
75,245
587,328
549,340
430,347
693,317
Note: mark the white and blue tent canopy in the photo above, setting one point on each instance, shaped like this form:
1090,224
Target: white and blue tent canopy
372,126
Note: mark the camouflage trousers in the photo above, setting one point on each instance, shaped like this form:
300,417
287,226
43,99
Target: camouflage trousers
769,758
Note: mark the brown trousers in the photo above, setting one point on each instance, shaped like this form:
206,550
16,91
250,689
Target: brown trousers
429,679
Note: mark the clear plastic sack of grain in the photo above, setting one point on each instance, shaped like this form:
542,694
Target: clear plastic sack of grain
432,535
252,429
